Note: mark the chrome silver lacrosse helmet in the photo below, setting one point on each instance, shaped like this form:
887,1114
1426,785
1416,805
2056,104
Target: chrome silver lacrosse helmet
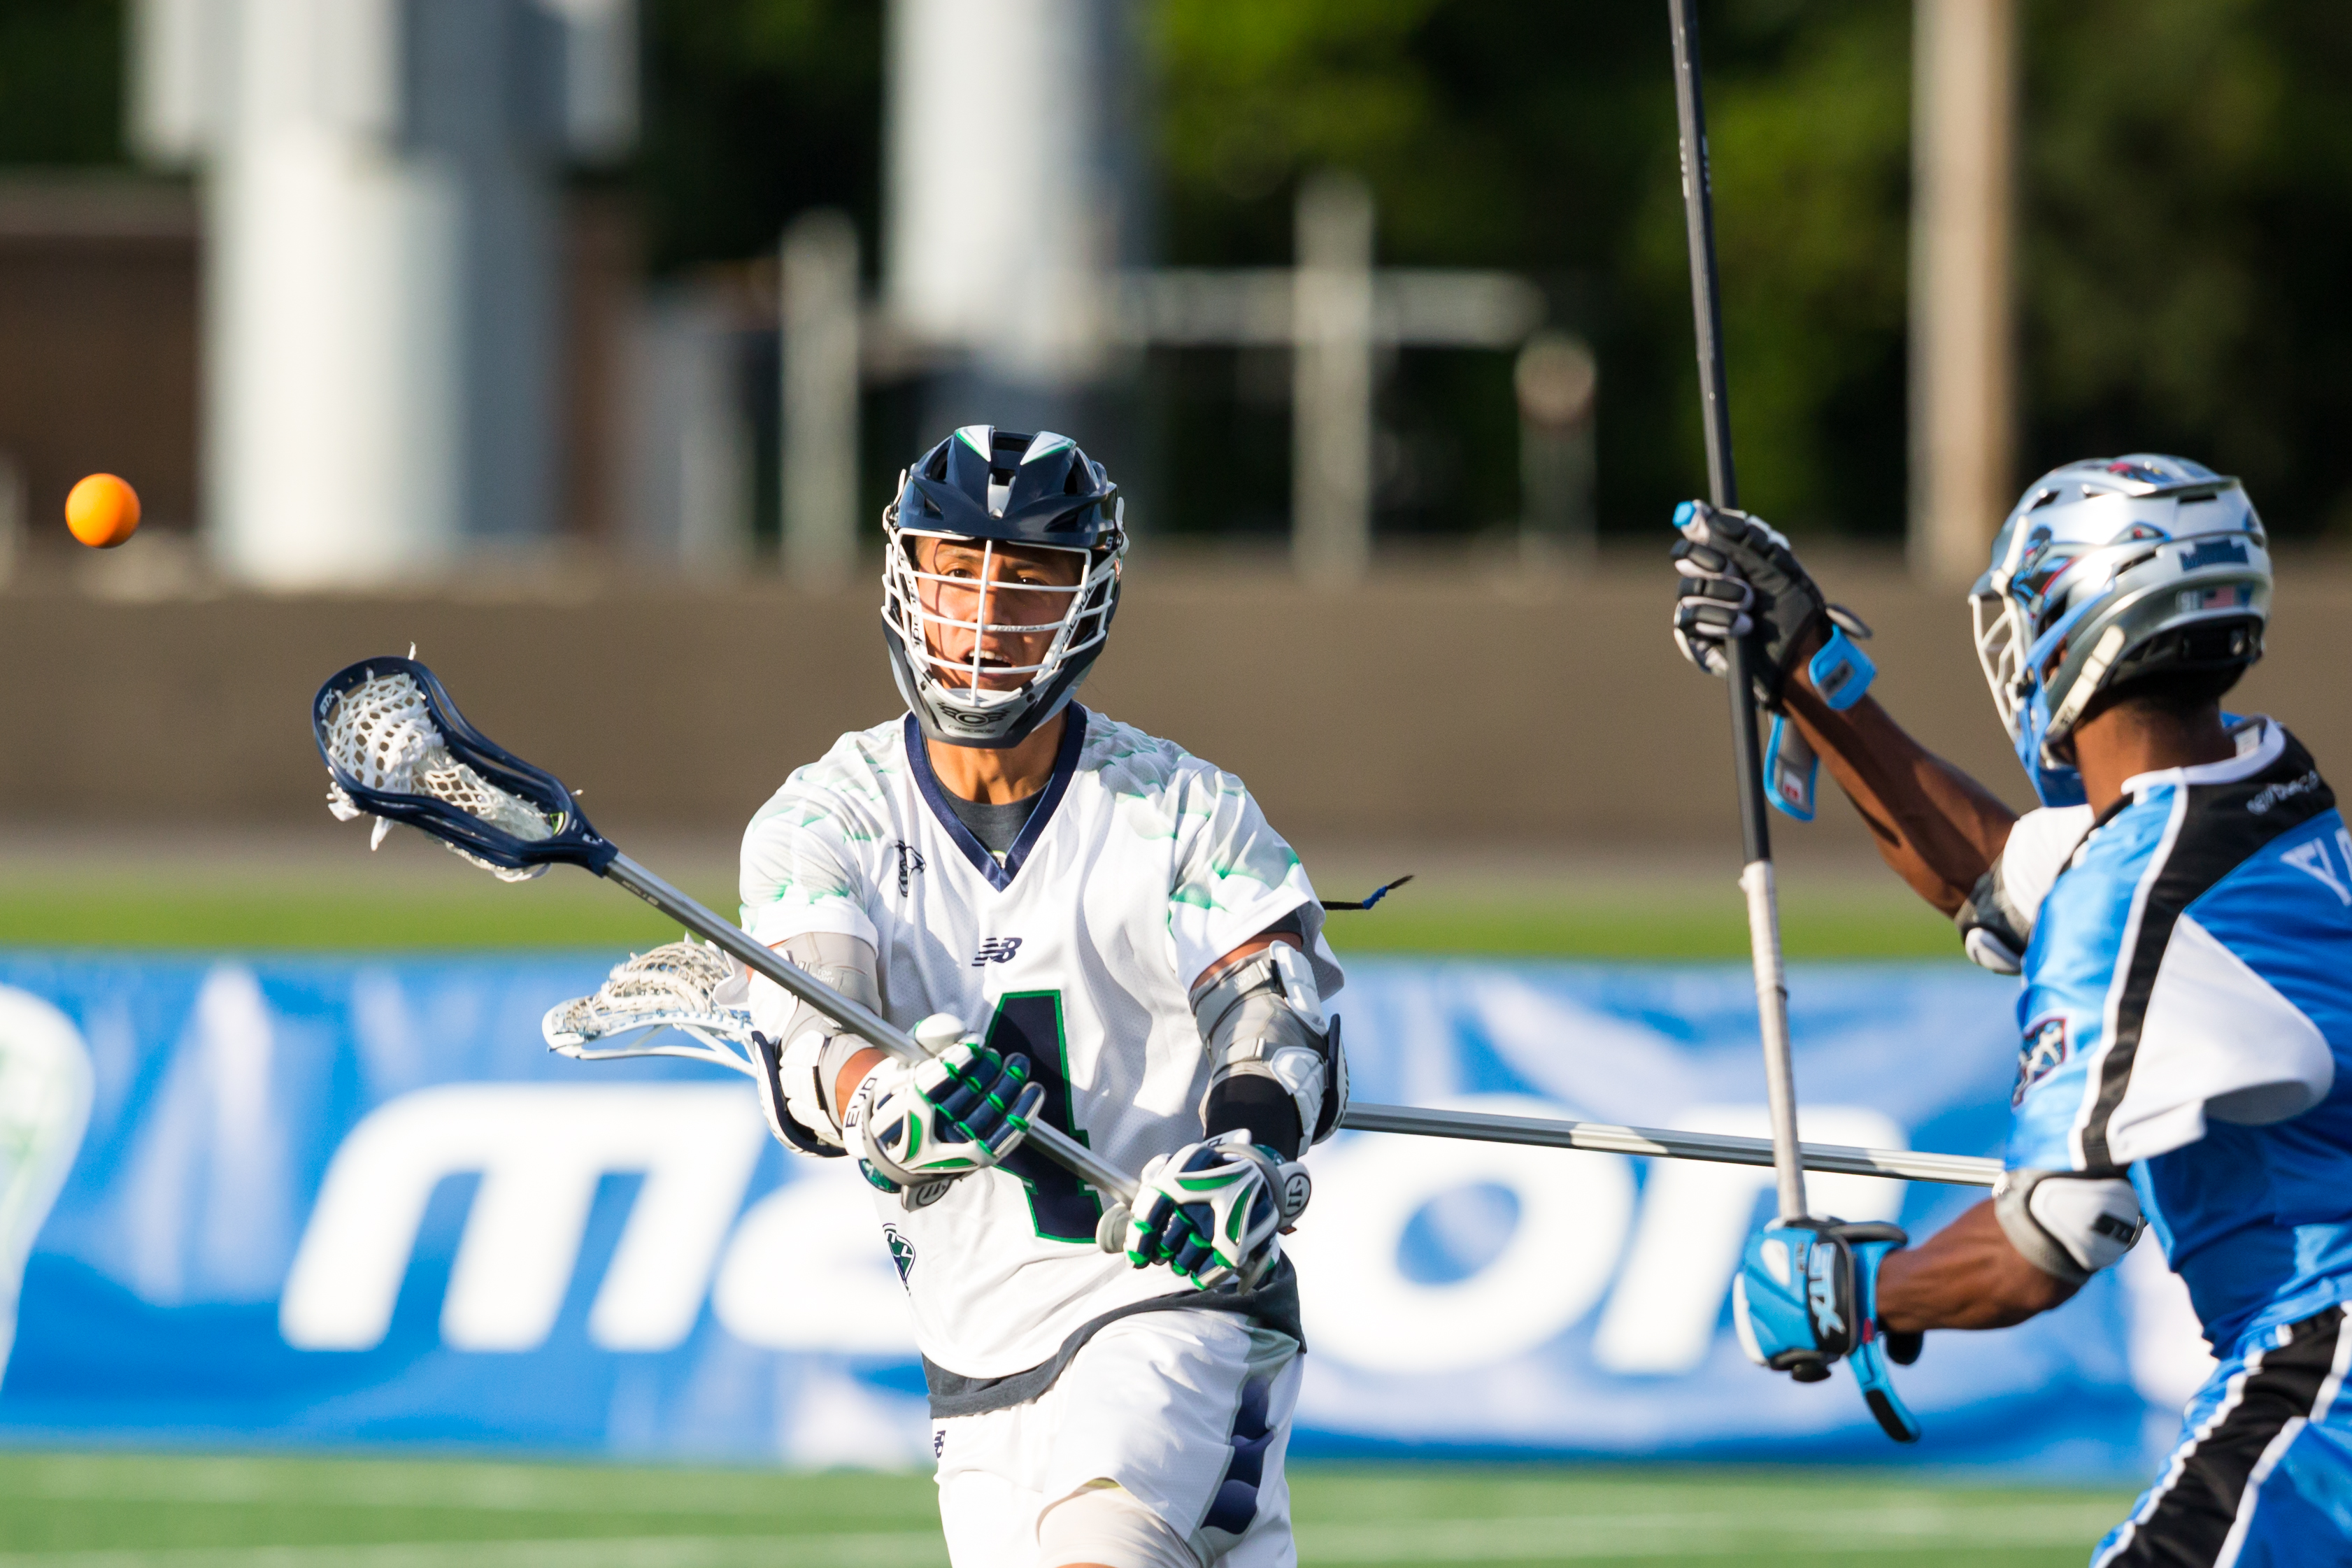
993,488
2108,571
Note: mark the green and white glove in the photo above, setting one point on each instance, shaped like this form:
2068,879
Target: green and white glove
1214,1211
916,1128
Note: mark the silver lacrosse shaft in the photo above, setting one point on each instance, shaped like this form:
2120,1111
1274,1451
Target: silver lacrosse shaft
858,1019
1772,1018
1723,1148
1723,489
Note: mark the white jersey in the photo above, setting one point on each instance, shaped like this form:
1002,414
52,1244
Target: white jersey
1140,867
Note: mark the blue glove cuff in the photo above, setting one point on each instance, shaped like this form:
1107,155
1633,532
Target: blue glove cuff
1869,1357
1841,672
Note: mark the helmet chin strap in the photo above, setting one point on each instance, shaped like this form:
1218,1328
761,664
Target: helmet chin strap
2054,784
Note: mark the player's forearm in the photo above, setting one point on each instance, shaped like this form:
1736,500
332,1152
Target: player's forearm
1934,826
1965,1276
852,1073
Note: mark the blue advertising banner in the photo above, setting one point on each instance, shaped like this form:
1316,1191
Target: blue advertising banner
338,1201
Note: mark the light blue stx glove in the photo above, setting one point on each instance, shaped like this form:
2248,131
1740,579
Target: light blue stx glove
915,1128
1807,1297
1214,1211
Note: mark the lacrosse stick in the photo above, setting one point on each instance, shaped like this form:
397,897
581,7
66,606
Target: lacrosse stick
689,987
1723,488
686,986
1868,1357
397,748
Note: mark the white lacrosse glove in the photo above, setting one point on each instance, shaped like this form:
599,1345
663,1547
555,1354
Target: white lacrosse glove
915,1129
1215,1211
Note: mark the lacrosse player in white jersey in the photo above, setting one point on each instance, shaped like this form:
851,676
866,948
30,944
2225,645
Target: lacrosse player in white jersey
1094,928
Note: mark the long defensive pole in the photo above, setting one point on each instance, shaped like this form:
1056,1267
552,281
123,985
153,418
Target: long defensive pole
1723,488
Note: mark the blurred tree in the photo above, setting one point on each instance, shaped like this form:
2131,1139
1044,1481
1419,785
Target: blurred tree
756,109
1542,138
1809,118
2188,171
2187,178
60,82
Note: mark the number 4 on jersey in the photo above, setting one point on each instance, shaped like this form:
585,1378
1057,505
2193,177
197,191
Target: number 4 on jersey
1062,1207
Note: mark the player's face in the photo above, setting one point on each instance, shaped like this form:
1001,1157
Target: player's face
1008,599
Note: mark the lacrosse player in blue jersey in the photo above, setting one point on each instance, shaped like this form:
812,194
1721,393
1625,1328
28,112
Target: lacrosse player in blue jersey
2180,910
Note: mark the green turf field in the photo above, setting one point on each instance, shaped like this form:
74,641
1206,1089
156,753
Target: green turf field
72,1510
566,909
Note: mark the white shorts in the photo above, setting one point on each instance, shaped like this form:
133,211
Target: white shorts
1188,1411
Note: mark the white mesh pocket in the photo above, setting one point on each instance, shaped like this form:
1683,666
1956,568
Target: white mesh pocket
679,980
383,734
684,985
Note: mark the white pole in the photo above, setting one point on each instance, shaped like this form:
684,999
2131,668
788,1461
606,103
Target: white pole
1963,376
1001,215
820,400
333,427
1331,383
380,320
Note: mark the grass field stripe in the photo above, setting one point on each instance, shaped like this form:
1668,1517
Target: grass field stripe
906,1549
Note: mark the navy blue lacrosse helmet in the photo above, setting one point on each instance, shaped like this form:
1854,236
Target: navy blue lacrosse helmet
963,645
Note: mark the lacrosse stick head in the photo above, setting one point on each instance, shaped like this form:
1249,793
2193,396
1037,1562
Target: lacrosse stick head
397,748
688,986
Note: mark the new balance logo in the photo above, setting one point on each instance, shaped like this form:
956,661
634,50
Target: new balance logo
996,950
2269,797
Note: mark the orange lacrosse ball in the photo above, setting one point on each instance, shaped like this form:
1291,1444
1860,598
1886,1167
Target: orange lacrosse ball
103,511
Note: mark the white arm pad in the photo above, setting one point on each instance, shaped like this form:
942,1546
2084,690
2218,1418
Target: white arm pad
813,1049
1265,1017
2067,1225
1999,918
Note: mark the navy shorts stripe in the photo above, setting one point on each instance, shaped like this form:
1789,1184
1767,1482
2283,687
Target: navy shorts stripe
1236,1500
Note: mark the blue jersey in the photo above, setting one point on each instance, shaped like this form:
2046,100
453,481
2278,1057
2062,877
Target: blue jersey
2187,1016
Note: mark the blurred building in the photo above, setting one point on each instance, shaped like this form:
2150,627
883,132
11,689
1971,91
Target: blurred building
360,326
102,307
379,179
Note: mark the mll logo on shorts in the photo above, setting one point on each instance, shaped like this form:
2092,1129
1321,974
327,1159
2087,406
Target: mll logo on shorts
2043,1053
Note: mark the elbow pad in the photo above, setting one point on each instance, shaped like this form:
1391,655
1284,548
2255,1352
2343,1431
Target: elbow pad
802,1049
1993,931
1263,1018
2067,1225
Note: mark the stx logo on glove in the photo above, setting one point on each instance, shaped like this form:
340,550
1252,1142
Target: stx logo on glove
1822,1294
